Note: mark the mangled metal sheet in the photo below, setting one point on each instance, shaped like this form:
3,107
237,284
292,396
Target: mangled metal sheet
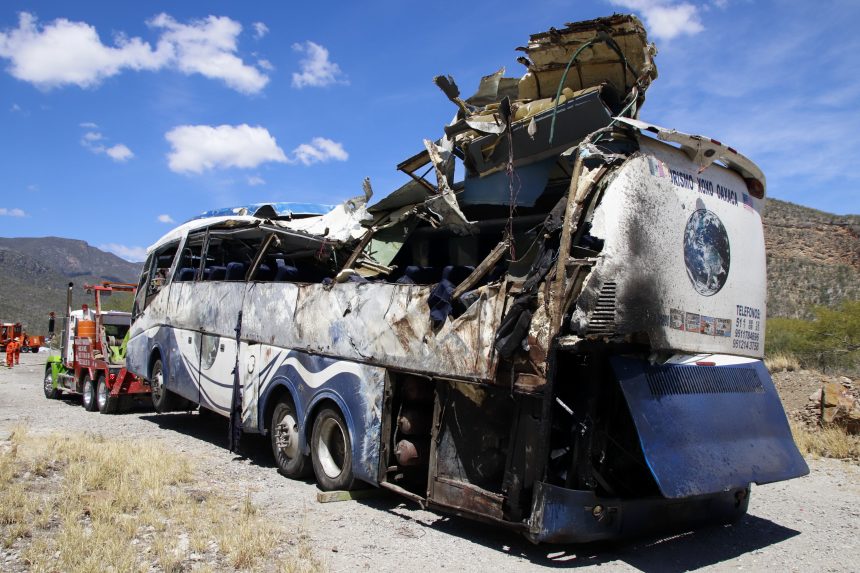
382,324
549,52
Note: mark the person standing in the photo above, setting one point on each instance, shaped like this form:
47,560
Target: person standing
17,351
10,352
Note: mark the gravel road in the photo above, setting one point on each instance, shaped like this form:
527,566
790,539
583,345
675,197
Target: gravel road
805,524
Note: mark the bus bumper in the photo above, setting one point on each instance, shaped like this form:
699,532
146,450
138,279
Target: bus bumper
561,515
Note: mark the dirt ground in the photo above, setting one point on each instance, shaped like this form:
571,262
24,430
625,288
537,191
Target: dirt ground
800,525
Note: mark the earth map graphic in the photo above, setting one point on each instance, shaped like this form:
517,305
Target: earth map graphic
706,252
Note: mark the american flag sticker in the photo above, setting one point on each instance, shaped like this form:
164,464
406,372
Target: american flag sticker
748,202
657,167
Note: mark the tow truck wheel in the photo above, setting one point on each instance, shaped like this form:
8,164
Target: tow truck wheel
163,400
284,433
107,404
331,451
51,393
89,398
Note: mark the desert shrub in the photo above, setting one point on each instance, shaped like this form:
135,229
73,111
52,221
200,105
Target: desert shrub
829,342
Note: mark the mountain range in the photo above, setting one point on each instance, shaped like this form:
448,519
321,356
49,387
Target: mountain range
813,259
35,272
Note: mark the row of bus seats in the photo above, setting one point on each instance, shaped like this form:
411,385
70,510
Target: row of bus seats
235,271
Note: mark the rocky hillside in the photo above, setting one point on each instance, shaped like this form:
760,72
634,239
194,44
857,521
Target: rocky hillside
813,258
34,273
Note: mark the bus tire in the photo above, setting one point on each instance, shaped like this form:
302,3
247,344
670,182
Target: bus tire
163,400
51,391
331,451
284,435
89,394
107,404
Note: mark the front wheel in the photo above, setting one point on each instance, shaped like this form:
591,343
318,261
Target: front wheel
284,433
89,398
107,404
51,391
331,451
163,400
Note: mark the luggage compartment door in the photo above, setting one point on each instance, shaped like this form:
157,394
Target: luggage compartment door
708,429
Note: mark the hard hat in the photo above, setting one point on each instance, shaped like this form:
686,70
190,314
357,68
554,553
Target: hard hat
17,339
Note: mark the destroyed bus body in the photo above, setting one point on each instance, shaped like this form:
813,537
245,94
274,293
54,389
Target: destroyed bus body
567,342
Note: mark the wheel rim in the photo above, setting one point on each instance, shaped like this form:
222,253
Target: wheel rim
331,448
156,386
102,394
88,392
49,383
287,436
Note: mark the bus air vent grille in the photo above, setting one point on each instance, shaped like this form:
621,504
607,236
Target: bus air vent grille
603,317
703,380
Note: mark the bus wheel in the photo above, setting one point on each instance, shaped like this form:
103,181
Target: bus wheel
89,397
107,404
51,392
331,451
162,398
284,433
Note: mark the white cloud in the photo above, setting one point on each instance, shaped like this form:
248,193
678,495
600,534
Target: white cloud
14,212
266,65
88,125
63,52
666,19
165,219
198,148
119,153
260,29
319,150
133,254
316,69
208,47
255,180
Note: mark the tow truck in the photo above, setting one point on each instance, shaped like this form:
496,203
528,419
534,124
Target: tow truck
91,361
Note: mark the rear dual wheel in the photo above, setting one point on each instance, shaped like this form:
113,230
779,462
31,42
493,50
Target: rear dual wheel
331,451
89,394
106,403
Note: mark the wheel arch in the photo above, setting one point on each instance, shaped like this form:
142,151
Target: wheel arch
279,388
154,354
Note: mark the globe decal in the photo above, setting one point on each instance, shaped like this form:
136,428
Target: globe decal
706,252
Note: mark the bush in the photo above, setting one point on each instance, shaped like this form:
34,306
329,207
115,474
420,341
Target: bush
831,341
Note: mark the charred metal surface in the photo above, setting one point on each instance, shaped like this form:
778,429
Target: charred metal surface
383,324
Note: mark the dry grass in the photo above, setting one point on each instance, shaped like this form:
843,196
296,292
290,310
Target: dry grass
826,442
84,503
781,361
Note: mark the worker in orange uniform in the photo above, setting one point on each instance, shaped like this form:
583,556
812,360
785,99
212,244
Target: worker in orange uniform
10,352
17,351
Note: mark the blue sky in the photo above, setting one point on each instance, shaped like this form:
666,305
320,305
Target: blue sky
118,119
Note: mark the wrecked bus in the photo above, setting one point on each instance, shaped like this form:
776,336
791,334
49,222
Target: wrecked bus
566,342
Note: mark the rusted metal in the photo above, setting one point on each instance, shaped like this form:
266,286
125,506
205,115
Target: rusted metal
571,217
411,453
414,421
